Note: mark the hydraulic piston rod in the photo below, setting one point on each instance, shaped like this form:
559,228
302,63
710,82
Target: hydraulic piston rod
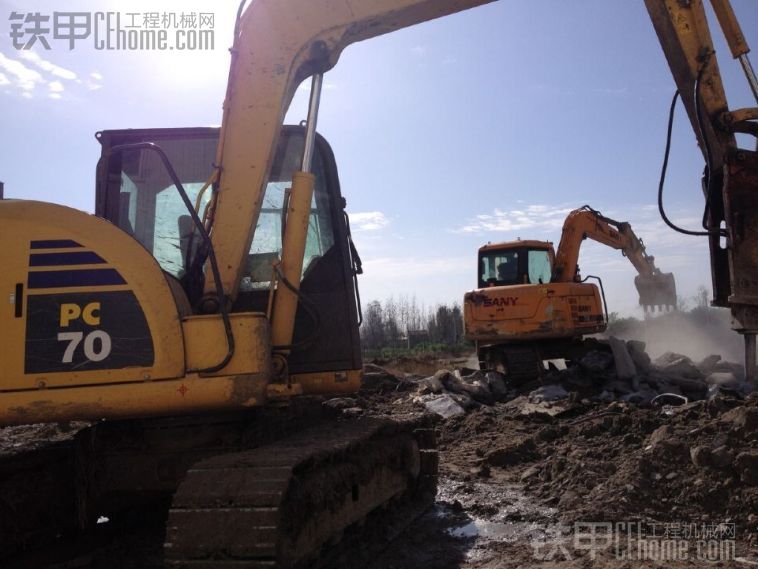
295,234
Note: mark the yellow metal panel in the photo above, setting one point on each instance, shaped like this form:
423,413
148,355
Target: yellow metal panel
184,396
330,382
205,343
26,221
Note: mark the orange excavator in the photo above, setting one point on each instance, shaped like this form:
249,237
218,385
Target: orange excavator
532,305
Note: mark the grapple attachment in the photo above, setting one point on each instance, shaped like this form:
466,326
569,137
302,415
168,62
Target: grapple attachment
657,290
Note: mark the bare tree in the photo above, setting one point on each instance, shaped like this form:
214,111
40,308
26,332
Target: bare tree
372,331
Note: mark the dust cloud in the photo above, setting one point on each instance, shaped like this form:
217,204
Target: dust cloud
696,334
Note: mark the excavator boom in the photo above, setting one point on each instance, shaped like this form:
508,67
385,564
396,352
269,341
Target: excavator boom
656,289
278,45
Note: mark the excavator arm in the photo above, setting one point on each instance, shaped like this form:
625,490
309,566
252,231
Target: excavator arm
730,178
656,289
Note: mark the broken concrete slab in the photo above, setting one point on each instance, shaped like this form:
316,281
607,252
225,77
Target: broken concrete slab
548,393
430,384
639,356
464,400
696,386
450,380
479,391
596,361
731,367
722,378
625,368
671,363
444,406
496,383
707,364
523,407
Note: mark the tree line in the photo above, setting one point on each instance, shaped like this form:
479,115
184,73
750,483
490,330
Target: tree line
403,324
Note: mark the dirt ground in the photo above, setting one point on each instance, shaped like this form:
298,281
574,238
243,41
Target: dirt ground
587,484
570,483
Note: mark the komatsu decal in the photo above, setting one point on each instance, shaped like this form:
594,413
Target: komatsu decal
80,331
86,331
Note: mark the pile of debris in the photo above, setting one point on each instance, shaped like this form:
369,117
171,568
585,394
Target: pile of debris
614,437
619,371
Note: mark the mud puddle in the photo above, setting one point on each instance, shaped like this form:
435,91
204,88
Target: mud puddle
495,514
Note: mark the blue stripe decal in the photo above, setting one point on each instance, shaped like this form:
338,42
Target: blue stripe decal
56,259
54,244
85,277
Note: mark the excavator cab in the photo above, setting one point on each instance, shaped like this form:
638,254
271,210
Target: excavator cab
136,193
515,263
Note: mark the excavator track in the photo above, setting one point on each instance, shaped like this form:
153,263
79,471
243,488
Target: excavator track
522,364
38,475
295,503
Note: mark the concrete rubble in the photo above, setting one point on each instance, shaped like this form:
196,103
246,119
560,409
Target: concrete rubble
617,371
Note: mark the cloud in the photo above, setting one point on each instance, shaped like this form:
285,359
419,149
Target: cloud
95,81
56,90
31,71
533,217
368,220
52,68
21,76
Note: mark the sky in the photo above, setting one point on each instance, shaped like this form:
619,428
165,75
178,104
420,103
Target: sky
485,126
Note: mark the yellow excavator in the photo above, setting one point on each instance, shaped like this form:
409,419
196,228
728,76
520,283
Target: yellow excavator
215,287
532,304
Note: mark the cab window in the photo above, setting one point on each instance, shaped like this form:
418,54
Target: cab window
151,209
267,240
539,266
500,268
